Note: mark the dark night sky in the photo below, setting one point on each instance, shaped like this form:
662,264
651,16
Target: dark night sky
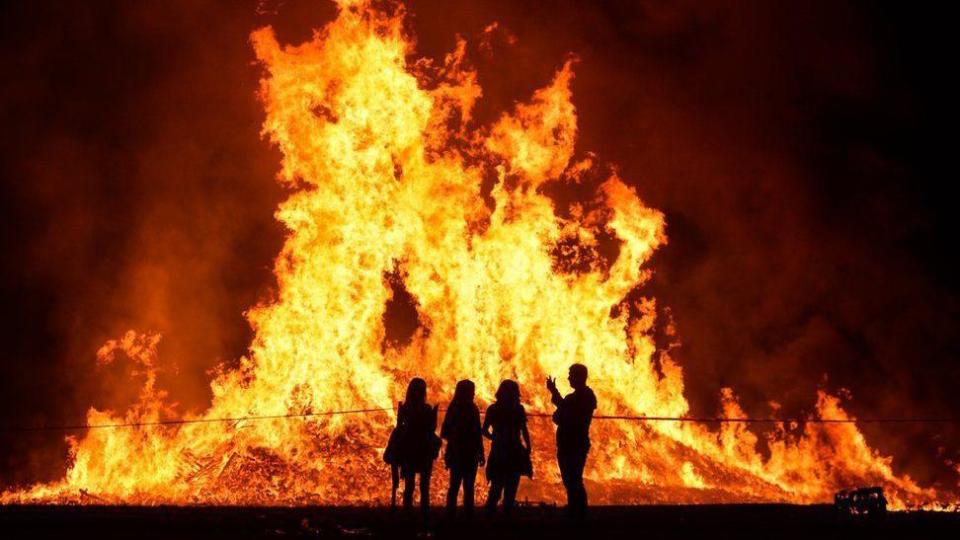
802,154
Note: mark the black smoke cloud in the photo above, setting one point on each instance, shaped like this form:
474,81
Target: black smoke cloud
800,154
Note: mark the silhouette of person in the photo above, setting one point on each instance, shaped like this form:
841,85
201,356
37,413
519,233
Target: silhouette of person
572,417
418,443
461,429
505,423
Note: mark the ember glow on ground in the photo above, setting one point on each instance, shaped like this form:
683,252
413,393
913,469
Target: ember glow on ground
389,173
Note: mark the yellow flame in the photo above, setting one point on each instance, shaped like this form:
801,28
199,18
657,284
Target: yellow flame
387,168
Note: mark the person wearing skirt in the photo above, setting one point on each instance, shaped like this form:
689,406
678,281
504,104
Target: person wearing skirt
506,425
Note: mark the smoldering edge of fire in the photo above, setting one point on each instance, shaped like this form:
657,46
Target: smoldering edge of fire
794,150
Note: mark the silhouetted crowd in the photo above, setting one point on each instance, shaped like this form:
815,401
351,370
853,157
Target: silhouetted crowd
414,444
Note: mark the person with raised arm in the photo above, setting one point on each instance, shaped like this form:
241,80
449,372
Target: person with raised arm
572,417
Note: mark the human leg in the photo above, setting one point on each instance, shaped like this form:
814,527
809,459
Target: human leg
493,496
510,492
425,491
469,480
581,488
571,471
409,480
456,478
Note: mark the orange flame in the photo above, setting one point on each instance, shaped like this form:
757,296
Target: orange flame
388,166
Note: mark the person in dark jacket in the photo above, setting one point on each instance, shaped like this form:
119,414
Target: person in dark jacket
461,429
506,423
418,444
573,416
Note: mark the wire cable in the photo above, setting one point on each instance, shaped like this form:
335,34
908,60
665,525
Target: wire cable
631,418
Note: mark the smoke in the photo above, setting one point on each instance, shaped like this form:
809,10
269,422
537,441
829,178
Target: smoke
139,196
792,148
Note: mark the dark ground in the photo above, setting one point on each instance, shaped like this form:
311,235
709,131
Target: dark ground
732,521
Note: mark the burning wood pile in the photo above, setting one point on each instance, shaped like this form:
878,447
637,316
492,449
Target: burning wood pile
395,184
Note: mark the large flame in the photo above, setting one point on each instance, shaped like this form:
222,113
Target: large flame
389,170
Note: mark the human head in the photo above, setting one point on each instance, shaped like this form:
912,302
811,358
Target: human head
464,391
417,391
509,392
577,376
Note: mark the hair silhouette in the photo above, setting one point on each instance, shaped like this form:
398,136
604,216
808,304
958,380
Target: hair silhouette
578,375
508,392
463,393
416,391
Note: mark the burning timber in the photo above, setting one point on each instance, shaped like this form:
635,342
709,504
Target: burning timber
387,167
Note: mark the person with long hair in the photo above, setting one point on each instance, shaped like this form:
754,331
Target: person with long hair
418,444
506,424
464,453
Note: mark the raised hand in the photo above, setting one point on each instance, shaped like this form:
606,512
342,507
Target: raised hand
555,396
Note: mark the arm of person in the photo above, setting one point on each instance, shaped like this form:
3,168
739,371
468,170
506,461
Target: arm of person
485,430
477,436
525,433
447,425
555,396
